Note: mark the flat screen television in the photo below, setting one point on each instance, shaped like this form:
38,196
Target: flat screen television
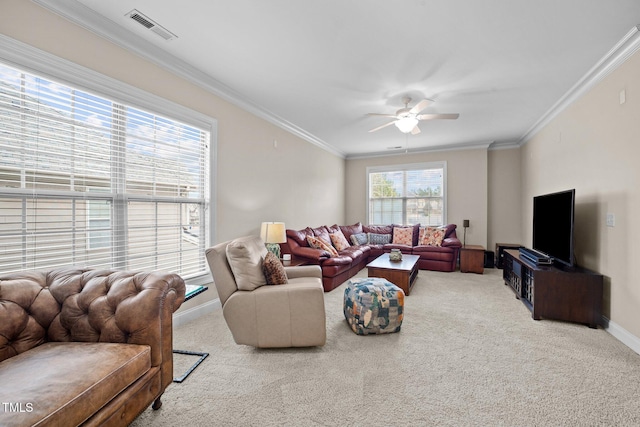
553,226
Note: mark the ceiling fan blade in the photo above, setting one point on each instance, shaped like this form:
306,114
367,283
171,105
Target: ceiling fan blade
393,116
415,130
383,126
421,106
451,116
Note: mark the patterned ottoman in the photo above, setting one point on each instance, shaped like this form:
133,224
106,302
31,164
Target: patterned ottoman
373,306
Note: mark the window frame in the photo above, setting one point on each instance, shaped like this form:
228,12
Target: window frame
404,168
30,59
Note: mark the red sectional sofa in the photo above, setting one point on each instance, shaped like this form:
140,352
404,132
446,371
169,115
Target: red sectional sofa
338,268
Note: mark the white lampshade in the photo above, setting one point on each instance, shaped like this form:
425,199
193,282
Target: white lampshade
406,124
273,232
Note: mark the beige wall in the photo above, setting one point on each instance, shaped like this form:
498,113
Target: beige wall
297,182
593,147
505,208
466,187
256,181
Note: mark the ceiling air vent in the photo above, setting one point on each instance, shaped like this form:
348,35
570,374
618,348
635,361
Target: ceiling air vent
150,24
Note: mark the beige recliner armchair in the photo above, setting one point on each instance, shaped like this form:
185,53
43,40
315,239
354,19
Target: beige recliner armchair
263,315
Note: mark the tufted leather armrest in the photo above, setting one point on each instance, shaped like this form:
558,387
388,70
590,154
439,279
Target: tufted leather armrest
88,306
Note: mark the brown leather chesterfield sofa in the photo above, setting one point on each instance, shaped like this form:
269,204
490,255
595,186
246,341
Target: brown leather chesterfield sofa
85,347
337,268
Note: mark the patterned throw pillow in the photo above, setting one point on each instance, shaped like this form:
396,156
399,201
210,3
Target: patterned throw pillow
403,236
339,241
432,236
317,243
378,239
359,239
273,270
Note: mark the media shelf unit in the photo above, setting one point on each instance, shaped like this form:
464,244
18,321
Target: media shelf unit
549,292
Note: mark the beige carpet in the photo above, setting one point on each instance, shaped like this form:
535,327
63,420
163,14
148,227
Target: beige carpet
468,354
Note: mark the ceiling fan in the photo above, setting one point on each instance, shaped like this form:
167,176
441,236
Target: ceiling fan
406,119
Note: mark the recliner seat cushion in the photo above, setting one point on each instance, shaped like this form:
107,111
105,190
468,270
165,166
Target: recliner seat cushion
68,382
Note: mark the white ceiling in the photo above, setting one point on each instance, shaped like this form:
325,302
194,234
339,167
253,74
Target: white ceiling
318,67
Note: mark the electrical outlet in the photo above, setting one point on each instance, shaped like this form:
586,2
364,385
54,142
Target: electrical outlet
611,220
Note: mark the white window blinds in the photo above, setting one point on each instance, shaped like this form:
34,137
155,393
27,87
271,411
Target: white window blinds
87,181
411,194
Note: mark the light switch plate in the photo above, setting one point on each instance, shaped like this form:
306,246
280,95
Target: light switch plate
611,220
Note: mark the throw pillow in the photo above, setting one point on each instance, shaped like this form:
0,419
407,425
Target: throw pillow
433,236
403,236
245,259
339,241
322,233
317,243
350,230
359,239
378,239
273,270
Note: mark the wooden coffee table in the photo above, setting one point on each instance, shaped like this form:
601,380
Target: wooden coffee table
401,273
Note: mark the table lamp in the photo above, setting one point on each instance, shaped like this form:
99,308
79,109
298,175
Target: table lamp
273,233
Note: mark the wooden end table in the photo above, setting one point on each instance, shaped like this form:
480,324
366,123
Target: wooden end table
472,259
294,261
401,273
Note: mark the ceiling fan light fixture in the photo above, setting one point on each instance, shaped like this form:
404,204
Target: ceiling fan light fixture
406,124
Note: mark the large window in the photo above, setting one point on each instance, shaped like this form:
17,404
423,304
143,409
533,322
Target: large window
407,194
90,181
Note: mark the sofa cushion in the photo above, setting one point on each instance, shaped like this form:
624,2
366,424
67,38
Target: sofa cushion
378,229
339,241
449,230
68,382
273,269
350,230
403,236
405,249
323,234
300,236
245,256
318,243
356,253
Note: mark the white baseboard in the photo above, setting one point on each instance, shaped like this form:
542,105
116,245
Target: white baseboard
195,312
622,335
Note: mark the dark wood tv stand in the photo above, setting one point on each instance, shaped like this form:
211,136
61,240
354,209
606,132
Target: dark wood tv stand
549,292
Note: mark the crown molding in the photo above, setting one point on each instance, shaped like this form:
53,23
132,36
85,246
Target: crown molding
622,51
503,145
88,19
438,148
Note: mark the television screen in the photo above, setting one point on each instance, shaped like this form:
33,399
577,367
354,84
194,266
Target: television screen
553,216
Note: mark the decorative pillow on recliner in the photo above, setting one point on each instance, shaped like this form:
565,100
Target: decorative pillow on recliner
273,270
432,236
245,259
318,243
339,241
403,236
359,239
